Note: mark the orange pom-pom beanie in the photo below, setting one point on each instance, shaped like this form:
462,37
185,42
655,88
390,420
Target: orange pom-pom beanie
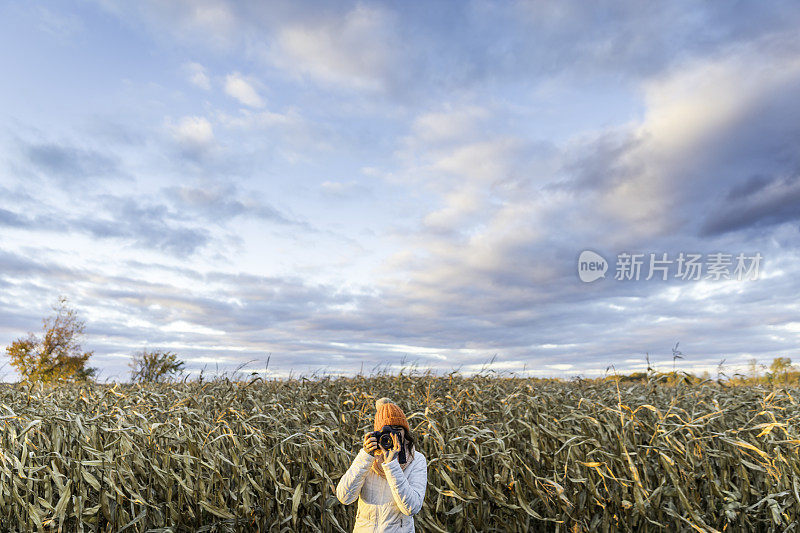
389,414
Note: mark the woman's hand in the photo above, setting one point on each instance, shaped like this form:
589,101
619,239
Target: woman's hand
370,443
389,456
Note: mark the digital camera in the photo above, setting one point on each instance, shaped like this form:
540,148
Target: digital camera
384,438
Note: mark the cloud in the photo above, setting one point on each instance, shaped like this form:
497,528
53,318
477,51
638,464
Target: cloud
149,225
239,88
211,23
471,172
64,162
220,203
247,119
702,152
644,41
458,212
145,224
451,125
196,73
353,49
9,218
775,202
193,133
295,137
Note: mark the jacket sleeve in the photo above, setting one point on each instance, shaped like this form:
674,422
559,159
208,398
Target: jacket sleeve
408,487
349,486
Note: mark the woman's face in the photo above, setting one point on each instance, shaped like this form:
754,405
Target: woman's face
402,430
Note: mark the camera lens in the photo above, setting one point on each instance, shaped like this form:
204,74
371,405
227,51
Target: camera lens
386,442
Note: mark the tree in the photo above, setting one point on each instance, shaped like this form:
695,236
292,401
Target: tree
780,367
753,369
56,356
154,366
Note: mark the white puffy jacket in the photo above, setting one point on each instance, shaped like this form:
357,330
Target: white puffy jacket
384,504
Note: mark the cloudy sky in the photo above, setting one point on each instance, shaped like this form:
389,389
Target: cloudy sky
340,186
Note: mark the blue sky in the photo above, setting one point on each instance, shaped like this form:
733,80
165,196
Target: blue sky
346,184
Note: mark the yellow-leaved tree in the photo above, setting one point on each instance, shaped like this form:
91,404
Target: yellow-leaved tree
57,355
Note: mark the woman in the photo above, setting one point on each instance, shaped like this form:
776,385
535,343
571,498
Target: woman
389,493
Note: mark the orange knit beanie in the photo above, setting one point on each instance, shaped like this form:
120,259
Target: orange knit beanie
389,414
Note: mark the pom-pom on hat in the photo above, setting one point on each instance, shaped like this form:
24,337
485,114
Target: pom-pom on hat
389,414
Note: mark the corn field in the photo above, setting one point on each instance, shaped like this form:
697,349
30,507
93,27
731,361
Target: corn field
504,453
